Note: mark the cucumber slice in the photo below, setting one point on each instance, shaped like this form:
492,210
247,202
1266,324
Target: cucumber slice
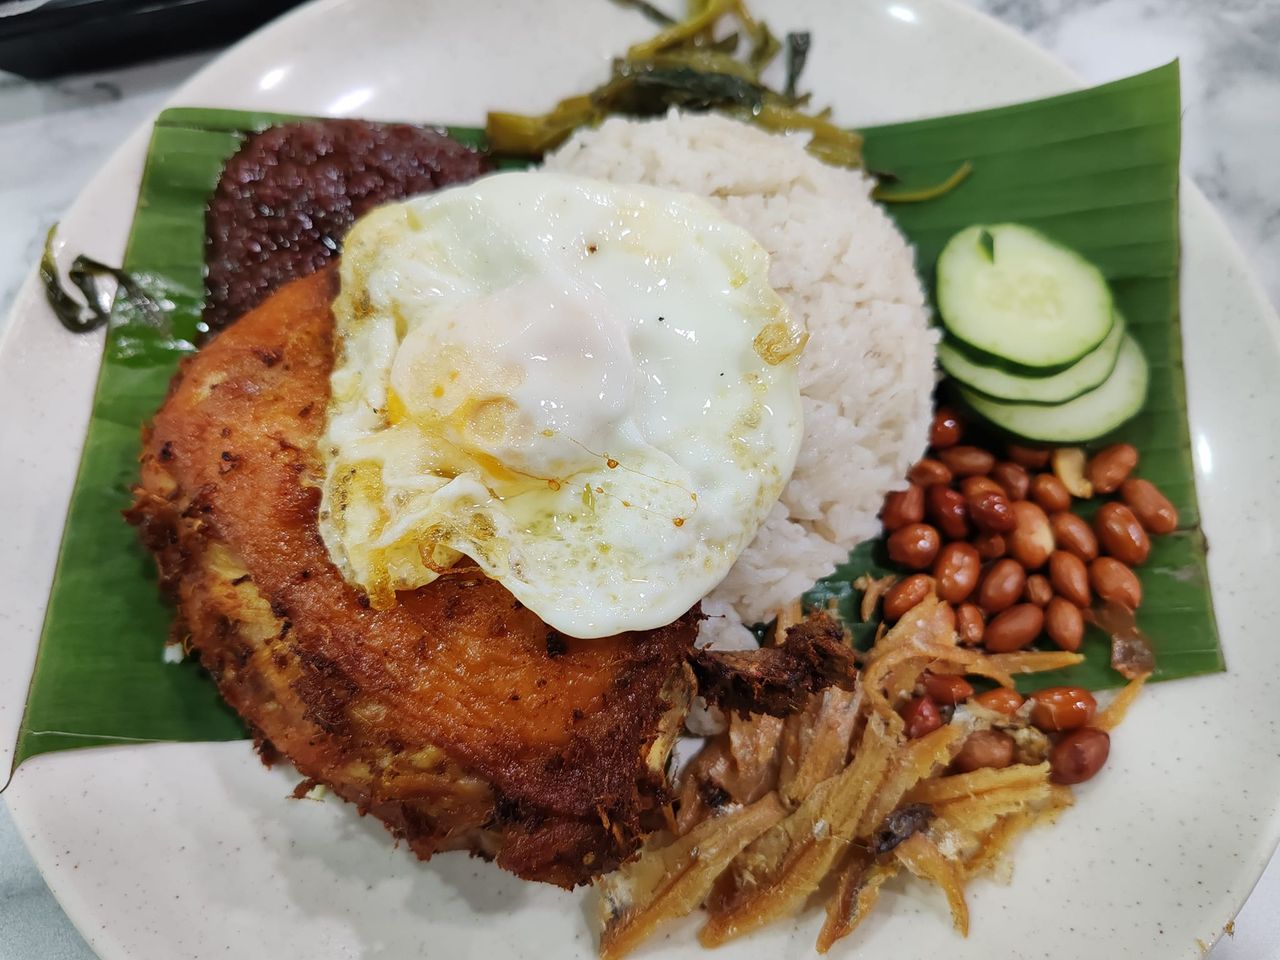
1006,383
1010,291
1087,417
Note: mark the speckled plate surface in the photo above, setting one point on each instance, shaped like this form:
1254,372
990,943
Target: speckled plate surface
193,851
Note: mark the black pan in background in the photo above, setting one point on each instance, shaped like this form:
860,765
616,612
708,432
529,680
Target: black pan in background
73,36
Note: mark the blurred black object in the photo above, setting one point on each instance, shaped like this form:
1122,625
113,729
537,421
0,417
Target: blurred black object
43,40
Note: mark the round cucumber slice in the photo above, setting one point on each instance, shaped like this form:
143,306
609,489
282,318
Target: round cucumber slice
1087,417
1006,383
1010,291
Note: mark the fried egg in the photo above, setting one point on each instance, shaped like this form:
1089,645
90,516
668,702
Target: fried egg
587,390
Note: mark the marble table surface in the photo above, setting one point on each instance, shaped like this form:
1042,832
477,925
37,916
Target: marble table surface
53,137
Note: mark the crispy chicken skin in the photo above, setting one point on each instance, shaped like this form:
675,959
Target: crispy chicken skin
457,717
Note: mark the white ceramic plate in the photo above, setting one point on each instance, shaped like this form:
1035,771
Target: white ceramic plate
193,851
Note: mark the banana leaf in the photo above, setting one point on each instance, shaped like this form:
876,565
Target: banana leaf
1098,169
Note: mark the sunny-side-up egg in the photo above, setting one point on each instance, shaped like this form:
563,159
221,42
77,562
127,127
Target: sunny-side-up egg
588,390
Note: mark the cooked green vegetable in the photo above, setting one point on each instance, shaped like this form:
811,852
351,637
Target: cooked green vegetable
518,134
888,193
87,274
693,29
797,53
1010,291
649,10
71,313
652,90
684,65
1003,382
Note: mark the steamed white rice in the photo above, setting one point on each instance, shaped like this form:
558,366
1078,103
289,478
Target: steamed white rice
848,275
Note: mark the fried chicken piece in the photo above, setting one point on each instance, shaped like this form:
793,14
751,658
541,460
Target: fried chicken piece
457,717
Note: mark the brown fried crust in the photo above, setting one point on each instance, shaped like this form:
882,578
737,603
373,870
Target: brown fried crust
777,680
456,716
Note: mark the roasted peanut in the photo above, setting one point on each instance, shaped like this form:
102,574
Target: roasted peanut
1110,466
1112,580
946,508
1033,458
1014,629
948,688
991,546
1038,590
1001,700
946,429
1070,577
1064,623
1121,535
972,486
1062,708
1073,534
991,511
905,594
914,546
1079,755
1002,586
1068,466
956,571
967,461
1031,540
969,624
928,472
902,507
984,748
1048,491
1013,479
1151,507
921,715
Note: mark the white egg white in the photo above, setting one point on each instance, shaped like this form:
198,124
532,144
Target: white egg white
588,390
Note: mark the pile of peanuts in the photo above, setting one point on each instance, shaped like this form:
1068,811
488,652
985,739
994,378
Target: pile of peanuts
1002,545
1006,554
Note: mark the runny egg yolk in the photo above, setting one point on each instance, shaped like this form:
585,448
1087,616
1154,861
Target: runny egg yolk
588,390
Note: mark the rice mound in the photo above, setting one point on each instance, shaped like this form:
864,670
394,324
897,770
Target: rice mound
848,275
